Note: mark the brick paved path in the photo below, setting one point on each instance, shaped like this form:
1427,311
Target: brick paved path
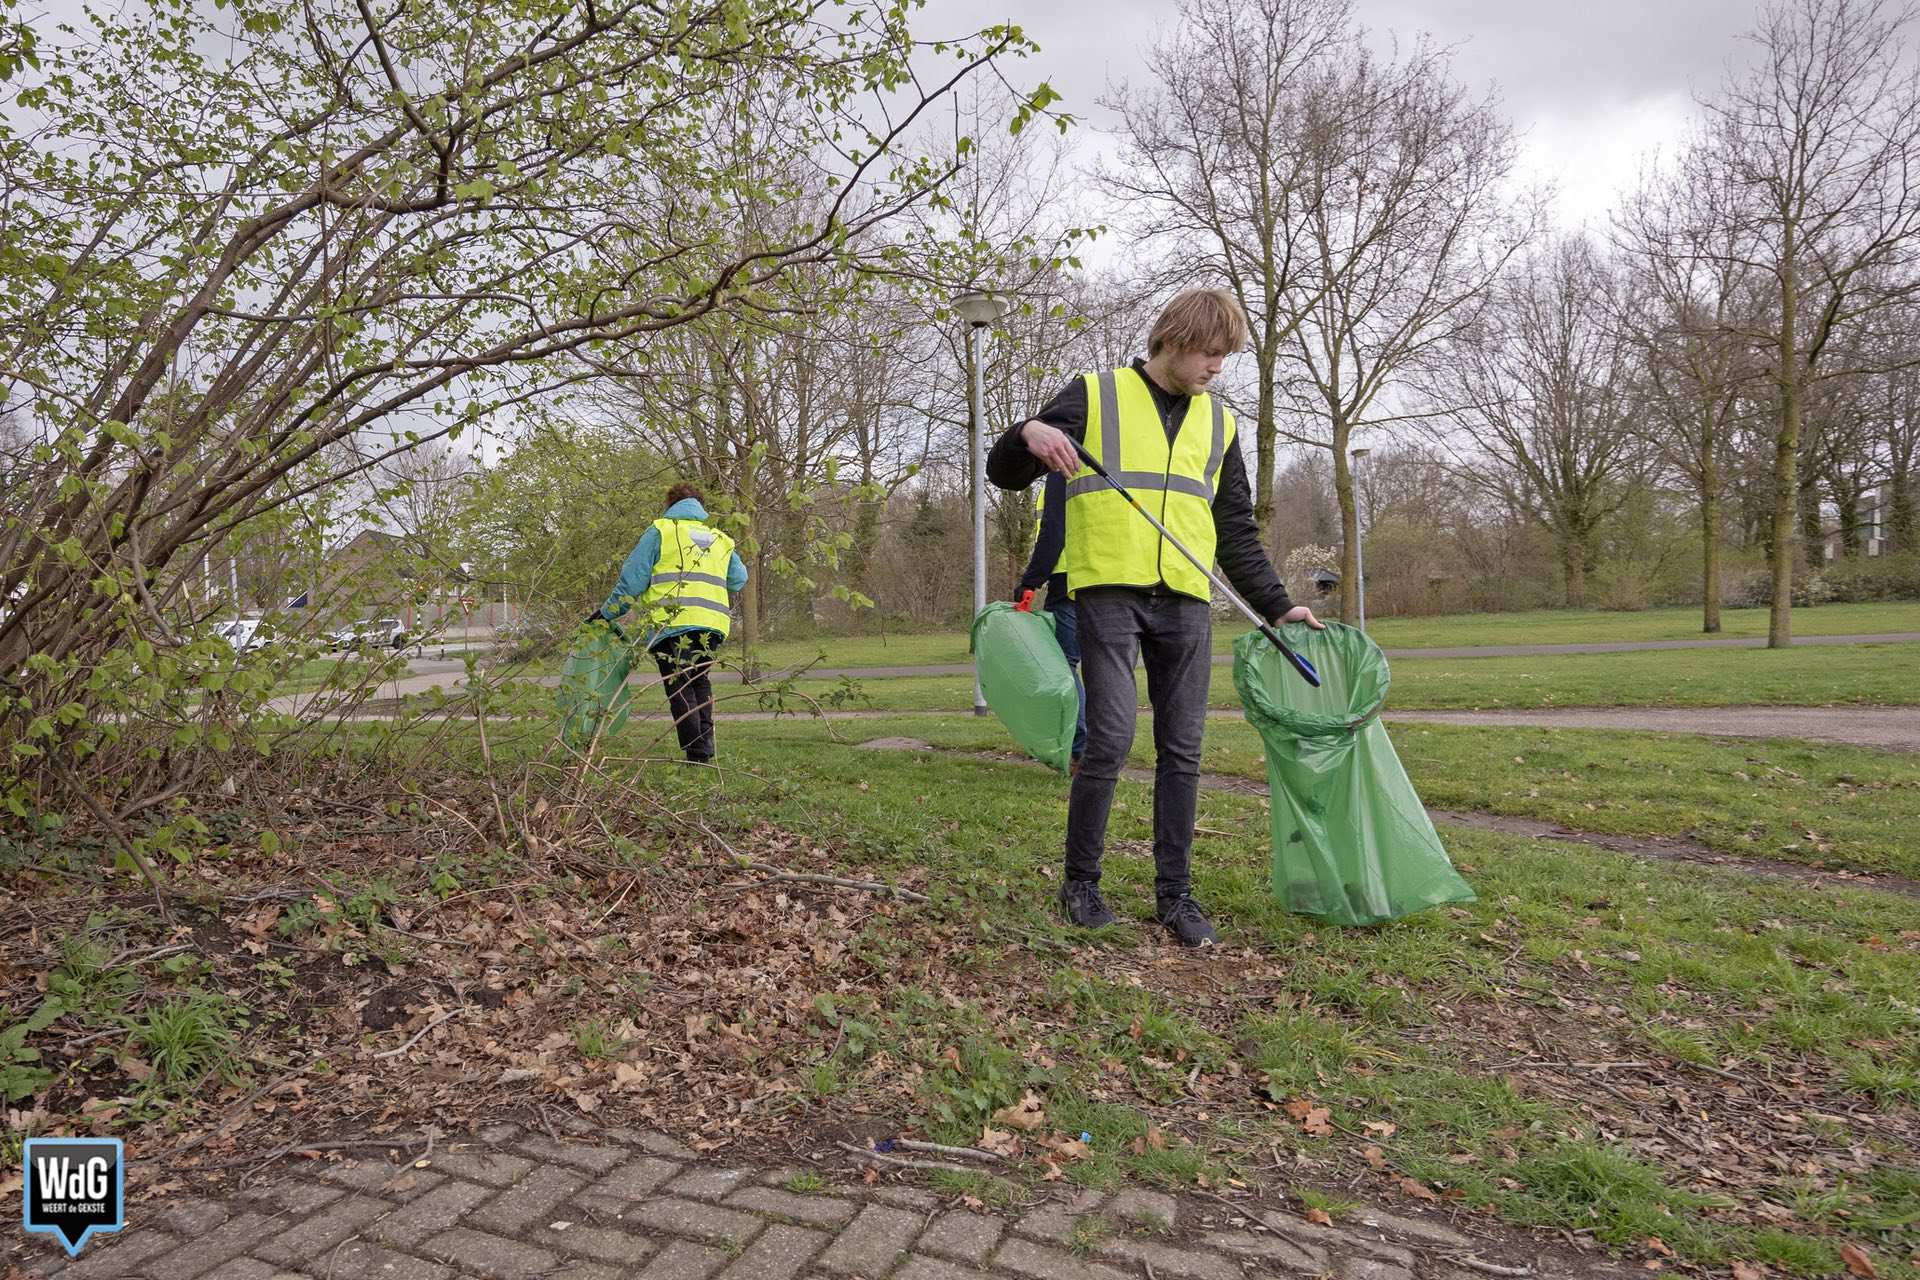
514,1204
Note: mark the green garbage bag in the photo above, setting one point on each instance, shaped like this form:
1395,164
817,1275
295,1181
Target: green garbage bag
593,696
1026,680
1352,843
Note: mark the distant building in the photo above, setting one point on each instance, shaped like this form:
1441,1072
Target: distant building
1875,510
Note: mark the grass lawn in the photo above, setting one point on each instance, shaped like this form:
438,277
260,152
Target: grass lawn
1823,805
1867,674
345,671
1544,626
1460,1045
1594,626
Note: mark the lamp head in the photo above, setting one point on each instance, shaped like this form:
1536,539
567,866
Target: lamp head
979,309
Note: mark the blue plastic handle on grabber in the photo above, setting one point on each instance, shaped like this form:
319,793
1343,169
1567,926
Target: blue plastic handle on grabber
1300,664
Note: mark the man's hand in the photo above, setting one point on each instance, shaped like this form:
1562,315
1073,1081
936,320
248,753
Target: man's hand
1300,613
1052,446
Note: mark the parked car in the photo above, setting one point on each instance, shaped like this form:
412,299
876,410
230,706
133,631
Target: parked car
242,633
372,633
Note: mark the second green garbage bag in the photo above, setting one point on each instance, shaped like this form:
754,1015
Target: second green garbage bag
1352,844
593,697
1026,680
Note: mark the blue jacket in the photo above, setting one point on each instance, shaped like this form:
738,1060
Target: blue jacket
637,572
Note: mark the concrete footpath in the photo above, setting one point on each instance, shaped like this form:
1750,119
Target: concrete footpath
509,1204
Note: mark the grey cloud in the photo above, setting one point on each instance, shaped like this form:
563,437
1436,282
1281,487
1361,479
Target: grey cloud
1562,58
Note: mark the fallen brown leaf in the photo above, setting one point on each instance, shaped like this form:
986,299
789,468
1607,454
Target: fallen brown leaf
1418,1190
1026,1114
1375,1157
1319,1217
1858,1263
999,1142
1315,1120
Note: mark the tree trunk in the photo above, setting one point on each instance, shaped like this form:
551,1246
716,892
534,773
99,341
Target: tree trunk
1710,552
750,553
1807,500
1848,502
866,529
1786,458
1573,558
1350,584
1265,431
1898,520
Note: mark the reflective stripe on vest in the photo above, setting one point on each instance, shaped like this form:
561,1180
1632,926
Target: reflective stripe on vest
689,583
1108,544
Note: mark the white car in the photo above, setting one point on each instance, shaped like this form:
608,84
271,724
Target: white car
242,633
373,633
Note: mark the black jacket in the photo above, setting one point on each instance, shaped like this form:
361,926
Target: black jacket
1243,561
1043,566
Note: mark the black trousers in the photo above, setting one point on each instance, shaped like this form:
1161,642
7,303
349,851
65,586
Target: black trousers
685,661
1174,635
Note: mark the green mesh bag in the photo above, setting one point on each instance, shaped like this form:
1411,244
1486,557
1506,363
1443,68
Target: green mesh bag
593,696
1352,843
1026,680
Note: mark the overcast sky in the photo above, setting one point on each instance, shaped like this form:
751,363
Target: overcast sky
1593,86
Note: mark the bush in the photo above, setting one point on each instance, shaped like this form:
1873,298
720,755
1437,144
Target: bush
1895,577
1622,586
1746,588
1811,590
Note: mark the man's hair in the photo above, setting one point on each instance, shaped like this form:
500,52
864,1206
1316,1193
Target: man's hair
684,490
1207,320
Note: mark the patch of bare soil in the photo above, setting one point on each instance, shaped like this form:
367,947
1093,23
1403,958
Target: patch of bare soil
1761,1136
684,986
1675,849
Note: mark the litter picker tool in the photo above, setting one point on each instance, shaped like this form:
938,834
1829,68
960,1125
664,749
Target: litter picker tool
1300,664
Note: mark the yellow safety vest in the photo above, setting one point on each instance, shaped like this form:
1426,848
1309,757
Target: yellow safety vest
1040,518
1108,544
689,583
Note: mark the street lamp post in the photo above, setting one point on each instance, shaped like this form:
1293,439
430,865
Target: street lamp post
978,310
1359,540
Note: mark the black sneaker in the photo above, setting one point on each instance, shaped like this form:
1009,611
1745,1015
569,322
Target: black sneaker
1186,921
1084,906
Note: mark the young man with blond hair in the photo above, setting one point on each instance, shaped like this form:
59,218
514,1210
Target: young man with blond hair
1154,426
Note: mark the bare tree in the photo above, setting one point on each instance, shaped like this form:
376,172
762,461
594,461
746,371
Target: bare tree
1819,140
1900,437
1539,396
1684,300
1212,167
1404,215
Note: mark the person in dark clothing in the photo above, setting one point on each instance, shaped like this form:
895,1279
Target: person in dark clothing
1156,428
1043,570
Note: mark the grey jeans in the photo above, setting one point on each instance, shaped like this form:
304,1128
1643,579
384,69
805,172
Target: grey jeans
1174,635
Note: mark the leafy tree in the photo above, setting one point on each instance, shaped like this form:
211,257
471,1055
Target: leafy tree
308,220
552,522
